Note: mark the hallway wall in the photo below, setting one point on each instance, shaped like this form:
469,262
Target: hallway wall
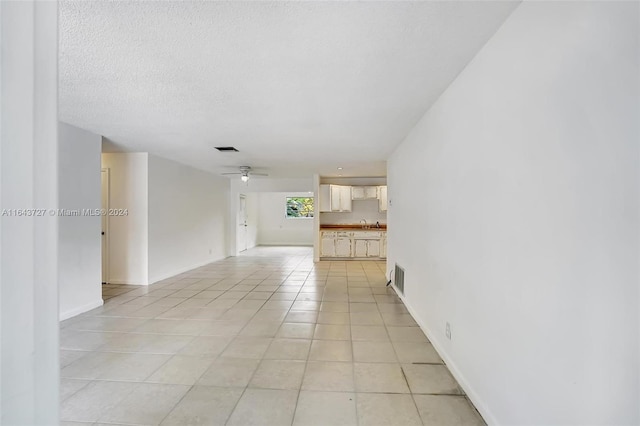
187,218
524,179
274,228
128,234
80,251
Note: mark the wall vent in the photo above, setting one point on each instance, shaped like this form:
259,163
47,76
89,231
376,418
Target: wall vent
398,279
226,149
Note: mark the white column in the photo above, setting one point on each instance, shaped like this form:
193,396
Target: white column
316,218
28,245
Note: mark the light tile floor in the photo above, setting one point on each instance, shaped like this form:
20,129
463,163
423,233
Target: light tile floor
265,338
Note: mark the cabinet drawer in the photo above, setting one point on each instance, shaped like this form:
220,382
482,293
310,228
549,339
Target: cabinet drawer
366,235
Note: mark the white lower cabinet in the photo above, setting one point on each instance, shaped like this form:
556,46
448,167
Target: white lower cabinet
343,247
366,248
373,248
356,244
328,247
360,248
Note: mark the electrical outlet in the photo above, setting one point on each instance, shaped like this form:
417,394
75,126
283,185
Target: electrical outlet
447,331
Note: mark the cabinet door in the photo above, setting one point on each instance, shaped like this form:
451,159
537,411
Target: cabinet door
373,248
370,192
345,199
343,247
359,248
328,248
325,198
383,247
358,193
382,198
335,197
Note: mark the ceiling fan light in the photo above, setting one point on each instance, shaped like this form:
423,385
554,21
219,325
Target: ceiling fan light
244,178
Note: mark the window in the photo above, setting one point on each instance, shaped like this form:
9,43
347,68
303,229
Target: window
299,207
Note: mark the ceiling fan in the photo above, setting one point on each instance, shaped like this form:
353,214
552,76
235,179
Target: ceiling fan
245,172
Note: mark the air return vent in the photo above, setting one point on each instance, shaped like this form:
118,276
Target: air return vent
226,149
398,278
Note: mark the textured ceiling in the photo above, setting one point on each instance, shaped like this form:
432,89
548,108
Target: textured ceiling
297,87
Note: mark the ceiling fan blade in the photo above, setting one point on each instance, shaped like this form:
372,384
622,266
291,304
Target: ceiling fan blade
258,174
230,173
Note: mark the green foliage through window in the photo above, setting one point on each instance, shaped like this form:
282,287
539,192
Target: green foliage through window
299,207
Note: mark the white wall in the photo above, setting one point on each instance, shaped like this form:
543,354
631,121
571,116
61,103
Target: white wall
524,177
360,209
128,235
273,226
79,250
187,216
29,360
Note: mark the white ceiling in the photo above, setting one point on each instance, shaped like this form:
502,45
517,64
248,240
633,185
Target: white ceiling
297,87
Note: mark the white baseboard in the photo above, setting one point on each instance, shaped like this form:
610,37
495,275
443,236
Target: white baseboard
125,282
80,310
183,270
482,408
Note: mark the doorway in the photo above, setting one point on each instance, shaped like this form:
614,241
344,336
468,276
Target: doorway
242,223
105,224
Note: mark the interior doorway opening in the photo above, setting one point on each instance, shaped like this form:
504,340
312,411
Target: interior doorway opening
105,181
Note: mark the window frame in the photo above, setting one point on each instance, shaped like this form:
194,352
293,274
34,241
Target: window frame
286,205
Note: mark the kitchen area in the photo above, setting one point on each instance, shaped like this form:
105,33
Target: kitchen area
352,218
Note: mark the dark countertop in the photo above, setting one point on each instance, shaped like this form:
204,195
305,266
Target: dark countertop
352,228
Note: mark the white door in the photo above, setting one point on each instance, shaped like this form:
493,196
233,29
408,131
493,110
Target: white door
105,225
242,224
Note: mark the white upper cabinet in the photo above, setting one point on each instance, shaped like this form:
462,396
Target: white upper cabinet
325,198
382,198
335,198
364,192
345,198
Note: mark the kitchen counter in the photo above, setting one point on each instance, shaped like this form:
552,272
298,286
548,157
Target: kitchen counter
352,228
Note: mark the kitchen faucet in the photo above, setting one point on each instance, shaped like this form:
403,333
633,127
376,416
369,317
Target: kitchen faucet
363,222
